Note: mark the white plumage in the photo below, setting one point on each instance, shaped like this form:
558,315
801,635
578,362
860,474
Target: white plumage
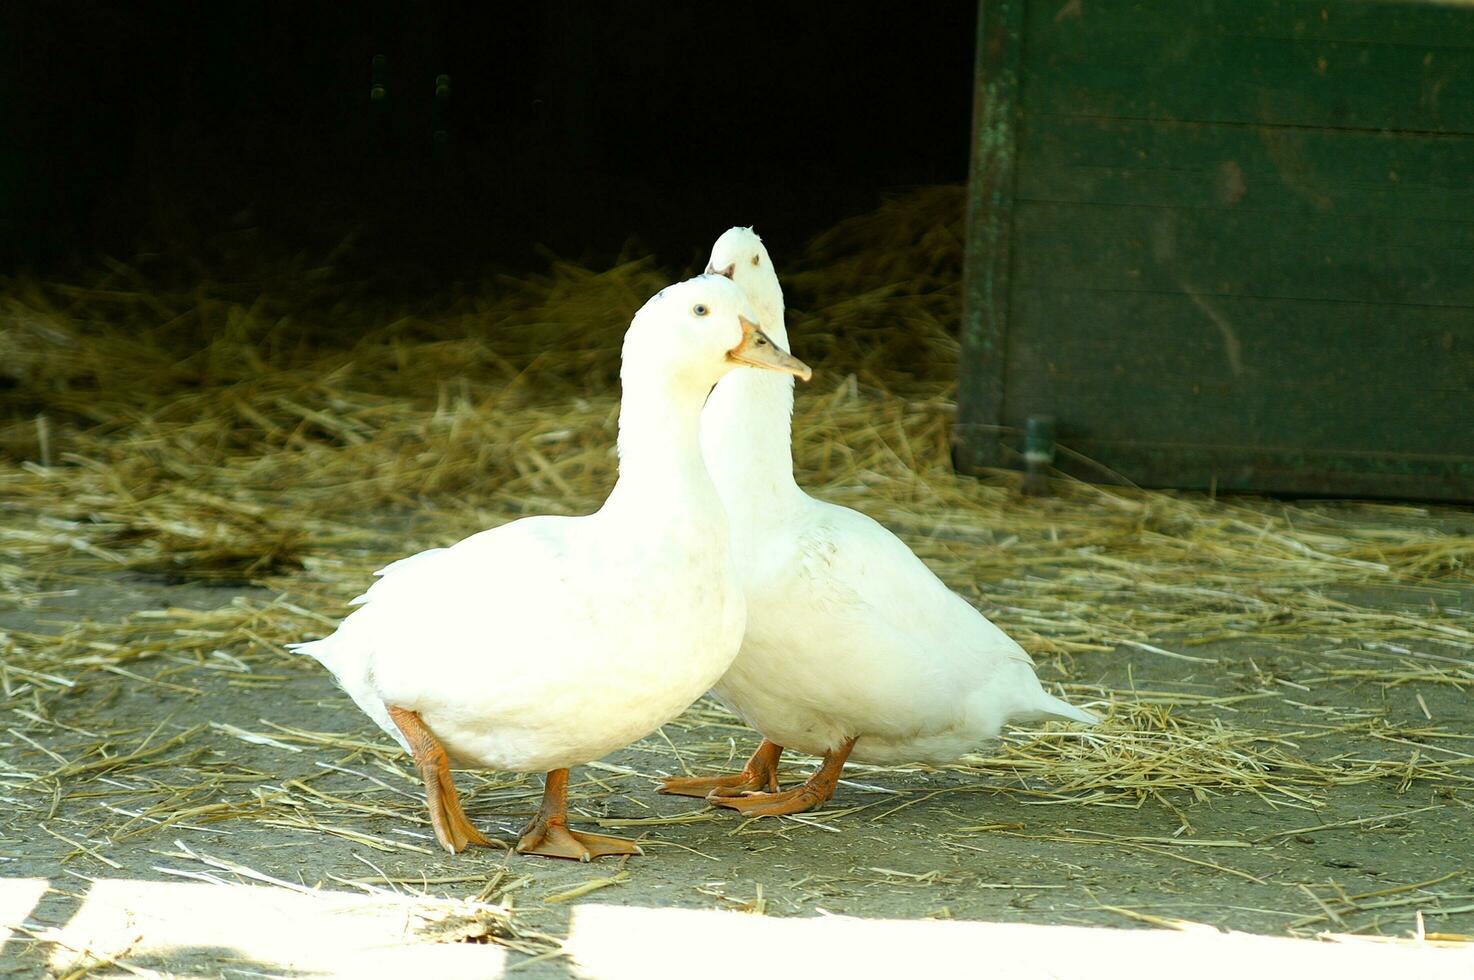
551,641
524,650
849,635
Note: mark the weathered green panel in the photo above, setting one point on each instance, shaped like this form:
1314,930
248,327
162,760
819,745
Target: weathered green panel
1230,467
1105,62
1346,173
986,290
1239,246
1291,256
1436,23
1164,368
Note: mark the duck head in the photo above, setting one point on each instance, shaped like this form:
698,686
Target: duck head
740,256
701,329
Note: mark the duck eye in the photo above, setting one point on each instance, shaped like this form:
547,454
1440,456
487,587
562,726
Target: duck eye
761,342
757,260
700,309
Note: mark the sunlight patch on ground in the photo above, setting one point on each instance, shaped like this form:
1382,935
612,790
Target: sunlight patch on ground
18,896
174,926
610,942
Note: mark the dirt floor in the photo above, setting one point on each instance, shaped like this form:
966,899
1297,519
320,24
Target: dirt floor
200,463
263,774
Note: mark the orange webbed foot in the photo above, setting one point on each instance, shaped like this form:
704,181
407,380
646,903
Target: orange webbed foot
797,800
760,774
815,791
453,829
556,840
705,787
548,833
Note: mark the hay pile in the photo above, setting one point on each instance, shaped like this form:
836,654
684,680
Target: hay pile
278,432
284,433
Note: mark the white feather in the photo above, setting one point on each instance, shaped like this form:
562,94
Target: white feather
848,632
551,641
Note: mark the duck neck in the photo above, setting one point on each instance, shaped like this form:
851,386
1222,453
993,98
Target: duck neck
746,439
660,466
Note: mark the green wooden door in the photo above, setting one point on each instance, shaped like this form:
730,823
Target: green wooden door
1226,244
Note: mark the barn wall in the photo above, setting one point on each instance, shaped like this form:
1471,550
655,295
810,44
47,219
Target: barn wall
1239,244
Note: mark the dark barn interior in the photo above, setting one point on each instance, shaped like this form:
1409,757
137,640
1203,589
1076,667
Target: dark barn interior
291,291
481,132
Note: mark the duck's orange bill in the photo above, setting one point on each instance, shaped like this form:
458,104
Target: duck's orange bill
758,350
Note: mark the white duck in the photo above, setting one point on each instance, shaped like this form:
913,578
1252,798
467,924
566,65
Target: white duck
551,641
853,646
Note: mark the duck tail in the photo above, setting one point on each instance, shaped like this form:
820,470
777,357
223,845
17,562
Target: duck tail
1053,709
305,647
324,651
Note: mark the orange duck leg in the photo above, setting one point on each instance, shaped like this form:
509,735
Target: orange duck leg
760,774
815,791
548,833
452,828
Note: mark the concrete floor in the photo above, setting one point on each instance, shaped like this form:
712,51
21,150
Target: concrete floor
337,874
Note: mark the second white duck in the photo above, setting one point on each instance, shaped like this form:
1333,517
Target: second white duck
853,646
